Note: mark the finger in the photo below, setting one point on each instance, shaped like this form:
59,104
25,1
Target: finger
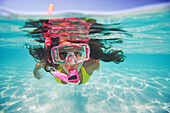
41,75
40,72
38,77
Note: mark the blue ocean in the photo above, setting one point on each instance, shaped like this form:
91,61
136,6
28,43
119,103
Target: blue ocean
140,84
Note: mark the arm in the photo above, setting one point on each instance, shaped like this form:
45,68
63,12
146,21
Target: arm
36,72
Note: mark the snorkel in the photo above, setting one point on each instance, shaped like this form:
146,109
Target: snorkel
70,29
73,78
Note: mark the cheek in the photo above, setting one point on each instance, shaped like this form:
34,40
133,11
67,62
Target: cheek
78,57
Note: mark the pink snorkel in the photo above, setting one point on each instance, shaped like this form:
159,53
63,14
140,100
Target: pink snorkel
50,9
73,78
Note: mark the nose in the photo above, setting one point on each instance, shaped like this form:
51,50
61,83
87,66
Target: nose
71,60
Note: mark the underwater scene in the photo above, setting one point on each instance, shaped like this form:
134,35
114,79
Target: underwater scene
139,84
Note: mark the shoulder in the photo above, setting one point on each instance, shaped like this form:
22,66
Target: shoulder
91,62
91,65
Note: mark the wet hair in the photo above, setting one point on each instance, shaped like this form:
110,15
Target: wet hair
99,51
98,48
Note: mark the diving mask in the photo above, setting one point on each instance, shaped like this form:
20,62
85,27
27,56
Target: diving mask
70,54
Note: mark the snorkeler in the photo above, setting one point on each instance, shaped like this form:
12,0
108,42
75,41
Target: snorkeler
74,63
69,54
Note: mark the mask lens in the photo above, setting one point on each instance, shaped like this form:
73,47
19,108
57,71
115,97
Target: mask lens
83,54
78,55
62,55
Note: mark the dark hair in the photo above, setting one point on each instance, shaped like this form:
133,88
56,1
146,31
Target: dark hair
98,50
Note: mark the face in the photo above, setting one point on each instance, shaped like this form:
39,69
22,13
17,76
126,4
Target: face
70,65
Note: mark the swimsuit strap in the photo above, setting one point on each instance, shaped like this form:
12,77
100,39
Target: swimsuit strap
59,68
85,75
57,79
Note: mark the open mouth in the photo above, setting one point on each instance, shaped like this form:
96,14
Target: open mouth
73,79
73,76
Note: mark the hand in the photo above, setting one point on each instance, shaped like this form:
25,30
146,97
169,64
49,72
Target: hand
38,74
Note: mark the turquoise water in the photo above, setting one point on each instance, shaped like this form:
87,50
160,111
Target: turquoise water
139,84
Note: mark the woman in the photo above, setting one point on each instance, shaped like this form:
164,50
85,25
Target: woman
69,54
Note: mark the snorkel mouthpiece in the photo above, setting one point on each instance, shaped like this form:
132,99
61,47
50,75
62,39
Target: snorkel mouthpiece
61,76
73,78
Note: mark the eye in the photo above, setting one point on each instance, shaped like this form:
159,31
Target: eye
63,55
77,53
